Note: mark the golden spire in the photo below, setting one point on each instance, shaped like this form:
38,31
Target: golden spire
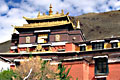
67,13
50,10
62,12
44,14
38,14
78,25
57,12
14,30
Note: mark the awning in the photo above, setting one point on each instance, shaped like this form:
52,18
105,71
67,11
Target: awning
26,45
82,44
98,41
38,31
19,60
45,44
101,56
112,41
13,47
58,43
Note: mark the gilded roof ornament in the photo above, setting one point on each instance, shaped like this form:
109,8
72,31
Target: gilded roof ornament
44,14
50,16
57,12
25,17
62,12
14,30
38,14
67,13
50,10
78,25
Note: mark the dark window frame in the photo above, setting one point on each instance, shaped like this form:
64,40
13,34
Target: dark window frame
82,48
101,79
97,45
101,66
114,44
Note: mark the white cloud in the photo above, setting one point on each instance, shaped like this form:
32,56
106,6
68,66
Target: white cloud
30,8
3,7
13,17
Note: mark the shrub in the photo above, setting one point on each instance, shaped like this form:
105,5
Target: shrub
41,70
7,75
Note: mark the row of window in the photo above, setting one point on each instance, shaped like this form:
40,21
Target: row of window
43,38
98,46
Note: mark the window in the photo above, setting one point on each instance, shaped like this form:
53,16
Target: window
101,66
114,45
82,48
57,37
96,46
102,79
42,38
28,39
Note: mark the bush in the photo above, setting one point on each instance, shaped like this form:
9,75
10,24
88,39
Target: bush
36,69
7,75
41,70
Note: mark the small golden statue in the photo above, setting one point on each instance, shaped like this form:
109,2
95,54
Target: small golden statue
39,47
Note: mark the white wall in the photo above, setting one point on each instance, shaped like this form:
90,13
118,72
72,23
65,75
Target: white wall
4,65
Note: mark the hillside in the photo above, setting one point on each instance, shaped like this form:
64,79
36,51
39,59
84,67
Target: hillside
100,25
4,47
93,25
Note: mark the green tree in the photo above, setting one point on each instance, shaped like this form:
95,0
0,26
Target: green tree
64,73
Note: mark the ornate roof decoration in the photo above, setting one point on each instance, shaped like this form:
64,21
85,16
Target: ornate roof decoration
44,24
51,15
78,25
50,10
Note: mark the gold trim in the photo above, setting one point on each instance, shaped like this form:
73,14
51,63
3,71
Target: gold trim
44,24
46,17
38,14
51,15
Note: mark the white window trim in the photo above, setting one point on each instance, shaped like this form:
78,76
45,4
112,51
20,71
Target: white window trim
38,31
13,47
100,76
25,45
73,58
112,41
98,41
82,44
19,60
58,43
101,56
55,63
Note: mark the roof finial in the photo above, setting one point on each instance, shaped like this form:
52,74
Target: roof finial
62,12
38,14
44,14
78,25
50,10
67,13
14,31
57,12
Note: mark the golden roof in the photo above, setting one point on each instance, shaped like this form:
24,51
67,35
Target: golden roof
44,24
47,24
51,15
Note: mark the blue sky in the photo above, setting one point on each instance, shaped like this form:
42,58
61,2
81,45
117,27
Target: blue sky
12,11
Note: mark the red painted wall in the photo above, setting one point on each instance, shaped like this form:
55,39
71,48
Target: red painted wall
91,72
55,48
69,47
114,71
78,70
